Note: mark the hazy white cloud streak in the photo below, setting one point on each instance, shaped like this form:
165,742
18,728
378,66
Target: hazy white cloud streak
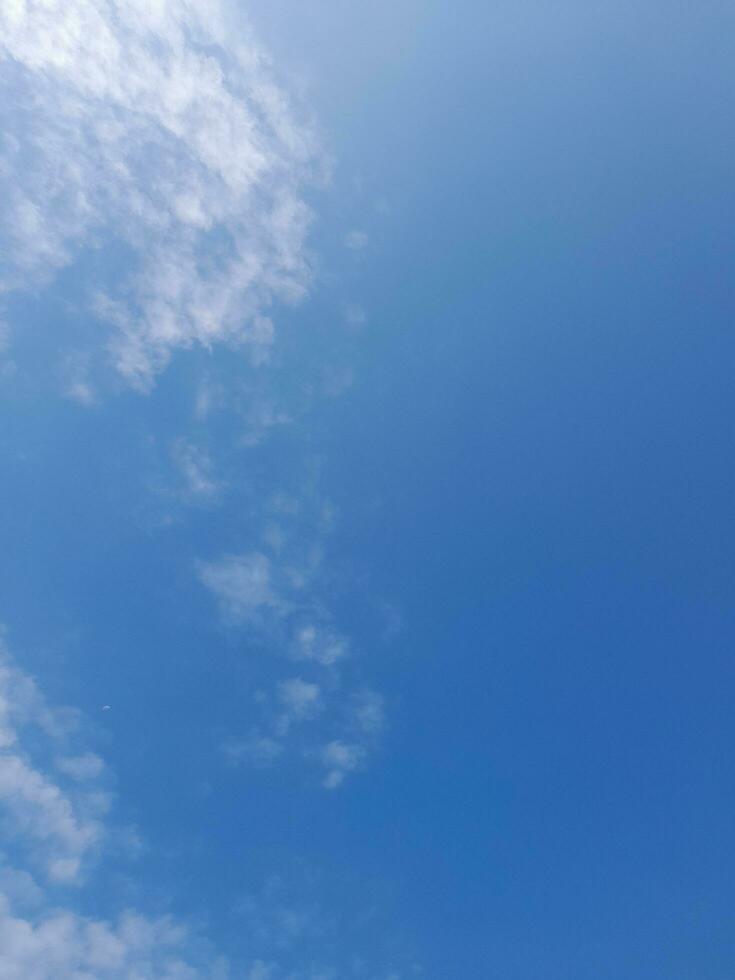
146,126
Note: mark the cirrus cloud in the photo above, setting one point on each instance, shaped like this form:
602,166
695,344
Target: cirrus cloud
142,126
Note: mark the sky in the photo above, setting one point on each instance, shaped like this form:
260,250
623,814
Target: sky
365,467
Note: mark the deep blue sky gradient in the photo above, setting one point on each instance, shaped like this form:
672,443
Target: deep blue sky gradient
533,467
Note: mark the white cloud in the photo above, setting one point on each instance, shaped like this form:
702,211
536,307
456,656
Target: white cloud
261,971
196,471
59,827
145,126
20,888
300,701
81,392
158,126
81,767
43,936
243,586
209,397
300,697
47,815
59,944
323,644
75,380
368,712
339,759
276,597
260,418
260,751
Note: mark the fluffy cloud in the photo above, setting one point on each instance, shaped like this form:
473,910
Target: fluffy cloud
141,138
275,596
320,643
58,830
260,751
58,827
45,936
81,767
276,600
299,698
368,712
61,945
144,126
339,759
195,469
243,586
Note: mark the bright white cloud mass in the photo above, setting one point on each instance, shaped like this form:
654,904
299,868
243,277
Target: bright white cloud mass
144,124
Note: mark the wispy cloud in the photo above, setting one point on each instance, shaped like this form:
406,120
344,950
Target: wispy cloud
368,712
196,471
316,708
58,825
299,700
287,917
145,125
260,751
340,759
244,587
58,944
53,821
44,935
144,131
75,380
261,416
81,767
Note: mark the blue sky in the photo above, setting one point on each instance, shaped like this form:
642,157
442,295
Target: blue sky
366,383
